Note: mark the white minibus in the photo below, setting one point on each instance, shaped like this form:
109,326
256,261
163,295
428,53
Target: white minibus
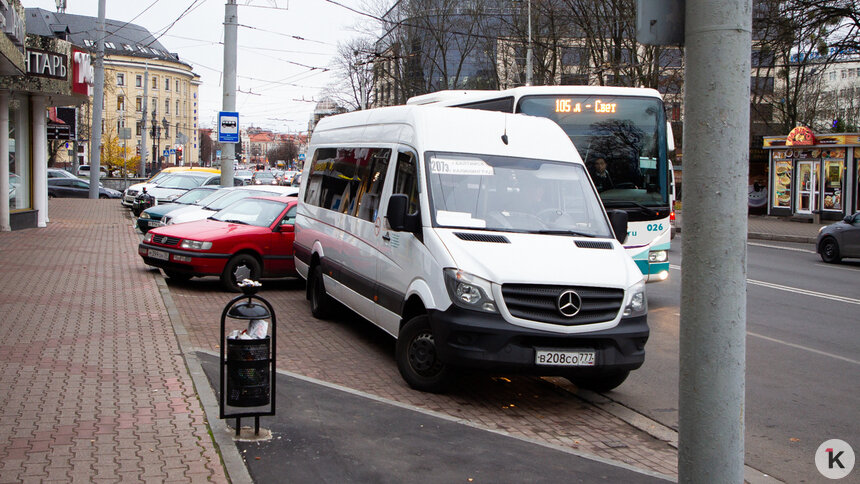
476,239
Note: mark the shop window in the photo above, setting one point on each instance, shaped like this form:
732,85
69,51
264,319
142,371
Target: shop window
833,192
782,182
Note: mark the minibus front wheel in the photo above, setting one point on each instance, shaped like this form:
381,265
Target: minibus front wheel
321,302
417,358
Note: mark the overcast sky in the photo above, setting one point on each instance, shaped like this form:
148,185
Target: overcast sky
284,93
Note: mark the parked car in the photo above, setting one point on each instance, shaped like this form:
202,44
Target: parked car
297,180
76,188
84,171
839,240
213,203
151,217
244,176
288,177
251,238
172,187
134,190
264,178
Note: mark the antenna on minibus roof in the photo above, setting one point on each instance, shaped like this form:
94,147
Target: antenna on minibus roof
505,134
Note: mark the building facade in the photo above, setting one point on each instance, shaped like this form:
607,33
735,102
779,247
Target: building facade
145,84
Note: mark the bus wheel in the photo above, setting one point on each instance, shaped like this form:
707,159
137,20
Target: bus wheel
601,383
417,358
321,302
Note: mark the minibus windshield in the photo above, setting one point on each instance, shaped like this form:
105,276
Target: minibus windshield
513,195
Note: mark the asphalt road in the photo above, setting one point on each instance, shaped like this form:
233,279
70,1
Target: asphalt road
803,362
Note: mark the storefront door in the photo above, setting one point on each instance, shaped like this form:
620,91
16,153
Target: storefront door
807,186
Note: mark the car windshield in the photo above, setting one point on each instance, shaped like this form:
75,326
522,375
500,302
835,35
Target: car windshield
251,211
263,174
243,173
193,196
184,182
235,195
159,177
208,199
513,194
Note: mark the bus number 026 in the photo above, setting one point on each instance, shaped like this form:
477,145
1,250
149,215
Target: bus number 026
655,227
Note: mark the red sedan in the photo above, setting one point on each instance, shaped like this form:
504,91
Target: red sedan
251,238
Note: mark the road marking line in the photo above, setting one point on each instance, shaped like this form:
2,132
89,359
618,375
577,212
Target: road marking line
801,347
793,249
780,287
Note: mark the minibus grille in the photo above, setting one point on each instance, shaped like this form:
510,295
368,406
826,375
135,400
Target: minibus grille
473,237
541,303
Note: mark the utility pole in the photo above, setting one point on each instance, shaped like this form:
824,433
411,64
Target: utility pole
143,148
231,24
98,102
713,281
529,63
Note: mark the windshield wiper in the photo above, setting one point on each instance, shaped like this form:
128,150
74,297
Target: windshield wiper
232,221
563,232
627,203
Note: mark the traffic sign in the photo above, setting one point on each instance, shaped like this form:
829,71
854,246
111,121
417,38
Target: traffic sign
301,157
172,151
228,127
166,152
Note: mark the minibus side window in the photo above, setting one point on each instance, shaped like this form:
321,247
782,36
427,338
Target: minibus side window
319,176
406,179
373,179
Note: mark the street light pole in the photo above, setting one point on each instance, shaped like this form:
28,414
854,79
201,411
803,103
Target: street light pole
529,66
231,25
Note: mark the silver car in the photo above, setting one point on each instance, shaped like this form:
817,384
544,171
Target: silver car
839,240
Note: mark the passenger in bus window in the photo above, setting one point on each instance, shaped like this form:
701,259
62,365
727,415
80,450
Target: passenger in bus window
600,175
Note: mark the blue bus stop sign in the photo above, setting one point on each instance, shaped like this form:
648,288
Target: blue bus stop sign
228,127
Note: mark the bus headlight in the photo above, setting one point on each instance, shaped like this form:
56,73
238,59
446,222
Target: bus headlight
658,256
469,291
638,304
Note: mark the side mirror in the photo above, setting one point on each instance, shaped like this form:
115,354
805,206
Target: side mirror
285,228
618,220
397,206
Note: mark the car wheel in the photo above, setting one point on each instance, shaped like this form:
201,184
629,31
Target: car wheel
239,263
417,358
103,197
321,303
177,276
829,250
601,383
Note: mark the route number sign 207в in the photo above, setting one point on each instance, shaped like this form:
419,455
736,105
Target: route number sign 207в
567,106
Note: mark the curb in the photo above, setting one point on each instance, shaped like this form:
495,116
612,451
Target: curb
775,237
646,424
234,465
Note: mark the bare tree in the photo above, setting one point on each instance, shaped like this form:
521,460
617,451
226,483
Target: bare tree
354,70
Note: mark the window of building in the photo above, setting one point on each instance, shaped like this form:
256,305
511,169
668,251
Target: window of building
833,75
137,129
166,131
167,106
844,73
138,104
120,103
177,85
177,107
154,82
120,79
154,104
138,81
166,83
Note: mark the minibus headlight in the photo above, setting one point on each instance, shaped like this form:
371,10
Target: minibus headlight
658,256
638,303
469,291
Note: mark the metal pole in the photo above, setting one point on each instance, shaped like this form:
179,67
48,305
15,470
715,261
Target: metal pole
143,147
4,163
231,23
98,101
529,65
713,280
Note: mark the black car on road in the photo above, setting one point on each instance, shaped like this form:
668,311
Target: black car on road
76,188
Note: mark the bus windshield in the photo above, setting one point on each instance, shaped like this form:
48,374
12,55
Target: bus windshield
510,194
620,138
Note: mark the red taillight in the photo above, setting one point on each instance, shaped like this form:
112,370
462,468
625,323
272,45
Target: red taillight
672,216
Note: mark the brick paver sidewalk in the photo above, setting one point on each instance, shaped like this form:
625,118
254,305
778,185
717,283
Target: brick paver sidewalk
95,387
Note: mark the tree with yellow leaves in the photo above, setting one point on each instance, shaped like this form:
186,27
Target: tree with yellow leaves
115,157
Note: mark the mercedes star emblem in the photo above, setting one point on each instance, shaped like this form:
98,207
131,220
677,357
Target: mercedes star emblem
569,303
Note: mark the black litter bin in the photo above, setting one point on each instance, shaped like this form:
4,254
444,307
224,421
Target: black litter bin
248,372
248,365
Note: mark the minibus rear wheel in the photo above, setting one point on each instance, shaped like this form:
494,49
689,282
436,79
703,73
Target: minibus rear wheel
417,358
321,302
601,383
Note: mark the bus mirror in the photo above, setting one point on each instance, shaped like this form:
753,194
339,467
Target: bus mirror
618,220
397,205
